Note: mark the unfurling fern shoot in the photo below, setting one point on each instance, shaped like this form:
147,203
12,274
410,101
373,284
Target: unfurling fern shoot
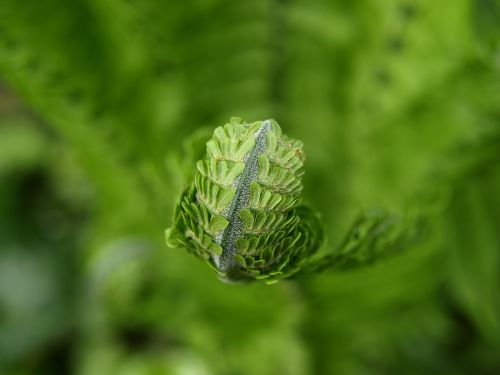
242,213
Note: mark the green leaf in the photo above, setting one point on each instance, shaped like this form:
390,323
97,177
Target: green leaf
218,223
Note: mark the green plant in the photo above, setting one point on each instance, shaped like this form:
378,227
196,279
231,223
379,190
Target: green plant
242,213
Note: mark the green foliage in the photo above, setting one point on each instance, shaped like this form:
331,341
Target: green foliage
105,107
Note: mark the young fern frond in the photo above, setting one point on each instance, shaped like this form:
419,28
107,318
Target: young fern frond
242,214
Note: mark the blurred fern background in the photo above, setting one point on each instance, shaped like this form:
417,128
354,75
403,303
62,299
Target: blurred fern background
101,105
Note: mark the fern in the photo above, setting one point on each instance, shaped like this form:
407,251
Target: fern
242,214
397,106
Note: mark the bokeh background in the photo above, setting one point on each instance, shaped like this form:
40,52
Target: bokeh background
101,102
